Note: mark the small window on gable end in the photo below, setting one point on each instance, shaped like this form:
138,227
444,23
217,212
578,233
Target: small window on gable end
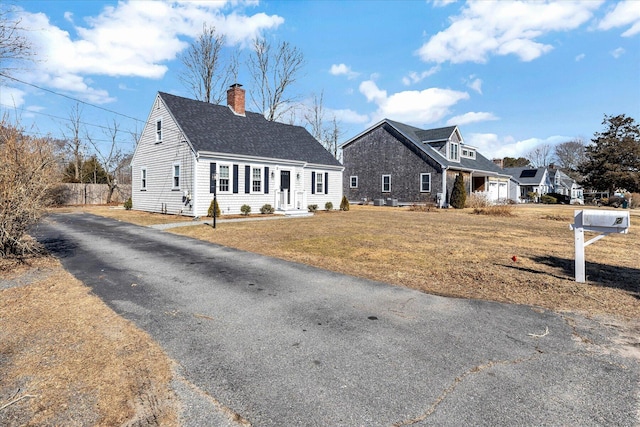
176,176
425,182
159,130
353,182
386,183
143,179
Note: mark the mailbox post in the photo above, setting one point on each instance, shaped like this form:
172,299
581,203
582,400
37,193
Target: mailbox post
598,221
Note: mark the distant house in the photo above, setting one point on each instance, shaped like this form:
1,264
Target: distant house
565,185
392,160
528,183
189,149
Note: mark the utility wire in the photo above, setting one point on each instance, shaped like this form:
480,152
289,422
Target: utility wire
71,98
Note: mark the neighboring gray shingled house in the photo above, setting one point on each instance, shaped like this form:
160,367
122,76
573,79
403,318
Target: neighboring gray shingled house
257,162
395,160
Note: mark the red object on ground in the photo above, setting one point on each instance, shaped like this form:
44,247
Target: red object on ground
514,258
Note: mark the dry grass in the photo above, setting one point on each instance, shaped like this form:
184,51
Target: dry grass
455,253
496,210
73,360
449,252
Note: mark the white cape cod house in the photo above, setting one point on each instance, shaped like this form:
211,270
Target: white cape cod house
256,161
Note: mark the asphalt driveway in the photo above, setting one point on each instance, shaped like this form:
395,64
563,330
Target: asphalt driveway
284,344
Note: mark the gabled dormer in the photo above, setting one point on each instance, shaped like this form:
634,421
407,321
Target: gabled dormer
447,141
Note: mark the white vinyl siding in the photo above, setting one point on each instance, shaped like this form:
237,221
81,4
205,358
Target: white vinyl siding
425,182
386,183
353,182
157,160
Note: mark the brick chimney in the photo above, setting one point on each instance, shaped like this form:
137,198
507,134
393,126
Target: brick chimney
499,162
235,98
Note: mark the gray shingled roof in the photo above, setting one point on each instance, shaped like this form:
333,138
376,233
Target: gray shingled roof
215,128
439,134
417,135
533,180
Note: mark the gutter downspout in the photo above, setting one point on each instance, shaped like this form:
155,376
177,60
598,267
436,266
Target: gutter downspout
443,201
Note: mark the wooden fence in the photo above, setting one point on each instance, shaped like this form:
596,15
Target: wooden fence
90,194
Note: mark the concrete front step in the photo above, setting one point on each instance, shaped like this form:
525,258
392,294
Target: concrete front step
294,212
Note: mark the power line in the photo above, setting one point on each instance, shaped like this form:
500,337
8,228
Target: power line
54,117
144,122
71,98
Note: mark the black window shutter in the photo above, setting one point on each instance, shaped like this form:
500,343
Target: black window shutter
313,183
247,179
266,180
326,183
235,179
212,182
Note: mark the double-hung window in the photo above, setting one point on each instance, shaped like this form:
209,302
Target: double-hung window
353,181
319,183
425,182
454,151
386,183
143,179
223,178
176,176
256,180
159,130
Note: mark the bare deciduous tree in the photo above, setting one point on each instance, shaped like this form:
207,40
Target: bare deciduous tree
570,154
327,134
27,175
273,71
110,157
314,117
332,137
14,46
541,156
204,74
73,144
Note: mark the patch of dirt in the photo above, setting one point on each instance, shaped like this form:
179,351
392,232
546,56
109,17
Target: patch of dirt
67,359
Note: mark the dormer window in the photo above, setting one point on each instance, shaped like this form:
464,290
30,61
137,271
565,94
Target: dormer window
468,153
454,153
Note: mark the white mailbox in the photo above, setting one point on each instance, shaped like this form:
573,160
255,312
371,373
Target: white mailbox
599,221
605,221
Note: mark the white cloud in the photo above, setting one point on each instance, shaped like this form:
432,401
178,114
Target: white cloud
414,77
343,69
471,117
412,107
617,53
492,146
580,57
11,97
130,39
369,89
486,28
442,3
348,116
475,84
623,14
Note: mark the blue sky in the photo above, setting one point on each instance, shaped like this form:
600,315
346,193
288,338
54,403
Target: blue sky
512,75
